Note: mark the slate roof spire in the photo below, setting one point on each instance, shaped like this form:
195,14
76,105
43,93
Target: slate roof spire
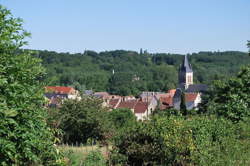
186,67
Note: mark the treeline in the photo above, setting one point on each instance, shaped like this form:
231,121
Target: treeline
128,72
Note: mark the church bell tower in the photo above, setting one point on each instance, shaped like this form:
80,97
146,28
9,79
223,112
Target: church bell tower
185,74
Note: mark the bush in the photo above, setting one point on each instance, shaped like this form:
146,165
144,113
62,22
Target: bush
175,140
94,158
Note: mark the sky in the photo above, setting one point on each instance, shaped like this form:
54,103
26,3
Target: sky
169,26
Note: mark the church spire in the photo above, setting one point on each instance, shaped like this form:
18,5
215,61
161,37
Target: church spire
185,74
186,67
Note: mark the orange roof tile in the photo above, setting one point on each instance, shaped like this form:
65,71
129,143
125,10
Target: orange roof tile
167,100
189,97
59,89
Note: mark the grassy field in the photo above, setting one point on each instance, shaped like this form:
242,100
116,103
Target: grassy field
75,155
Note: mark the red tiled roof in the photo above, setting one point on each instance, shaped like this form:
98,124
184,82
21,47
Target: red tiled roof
167,100
127,104
189,97
141,107
113,102
59,89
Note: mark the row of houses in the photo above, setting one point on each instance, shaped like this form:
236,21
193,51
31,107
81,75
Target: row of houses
142,107
147,102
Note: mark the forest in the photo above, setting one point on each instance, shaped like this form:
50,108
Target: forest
129,72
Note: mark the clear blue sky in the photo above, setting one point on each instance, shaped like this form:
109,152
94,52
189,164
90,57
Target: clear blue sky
174,26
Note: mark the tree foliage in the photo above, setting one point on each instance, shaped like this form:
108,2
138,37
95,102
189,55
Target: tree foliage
135,72
231,98
122,118
84,119
175,140
25,138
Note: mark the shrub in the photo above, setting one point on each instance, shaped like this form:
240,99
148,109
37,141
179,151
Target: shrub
177,140
94,158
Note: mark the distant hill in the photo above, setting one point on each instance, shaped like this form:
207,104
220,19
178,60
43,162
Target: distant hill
135,72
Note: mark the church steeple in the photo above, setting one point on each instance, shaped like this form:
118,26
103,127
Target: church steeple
185,74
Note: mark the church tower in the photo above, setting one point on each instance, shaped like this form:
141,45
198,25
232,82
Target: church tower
185,74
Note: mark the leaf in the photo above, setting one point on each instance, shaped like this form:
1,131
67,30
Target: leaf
10,113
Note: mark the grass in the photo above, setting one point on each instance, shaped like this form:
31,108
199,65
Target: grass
75,155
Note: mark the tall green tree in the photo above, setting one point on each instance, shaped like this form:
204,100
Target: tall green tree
183,107
25,138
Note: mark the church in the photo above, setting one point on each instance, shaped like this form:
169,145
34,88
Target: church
186,85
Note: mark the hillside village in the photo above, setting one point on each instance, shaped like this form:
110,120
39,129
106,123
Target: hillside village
146,103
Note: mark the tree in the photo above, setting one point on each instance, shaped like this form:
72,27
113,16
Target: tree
83,119
231,98
122,118
183,107
25,138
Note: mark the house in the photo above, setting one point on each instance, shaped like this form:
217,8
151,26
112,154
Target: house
165,102
147,96
166,99
141,109
113,103
192,100
61,91
56,94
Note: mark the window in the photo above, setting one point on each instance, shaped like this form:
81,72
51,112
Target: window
189,79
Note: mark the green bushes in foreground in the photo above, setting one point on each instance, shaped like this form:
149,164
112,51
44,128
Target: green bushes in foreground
175,140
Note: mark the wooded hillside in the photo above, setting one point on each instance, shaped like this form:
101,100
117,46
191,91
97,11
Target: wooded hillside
135,72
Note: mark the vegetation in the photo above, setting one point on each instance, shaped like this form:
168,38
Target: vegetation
82,120
231,98
25,138
176,141
217,134
84,155
135,72
122,118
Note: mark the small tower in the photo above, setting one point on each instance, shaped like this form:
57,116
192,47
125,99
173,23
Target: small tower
185,74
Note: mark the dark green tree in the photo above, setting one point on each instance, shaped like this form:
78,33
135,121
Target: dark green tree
25,138
122,118
183,108
84,119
